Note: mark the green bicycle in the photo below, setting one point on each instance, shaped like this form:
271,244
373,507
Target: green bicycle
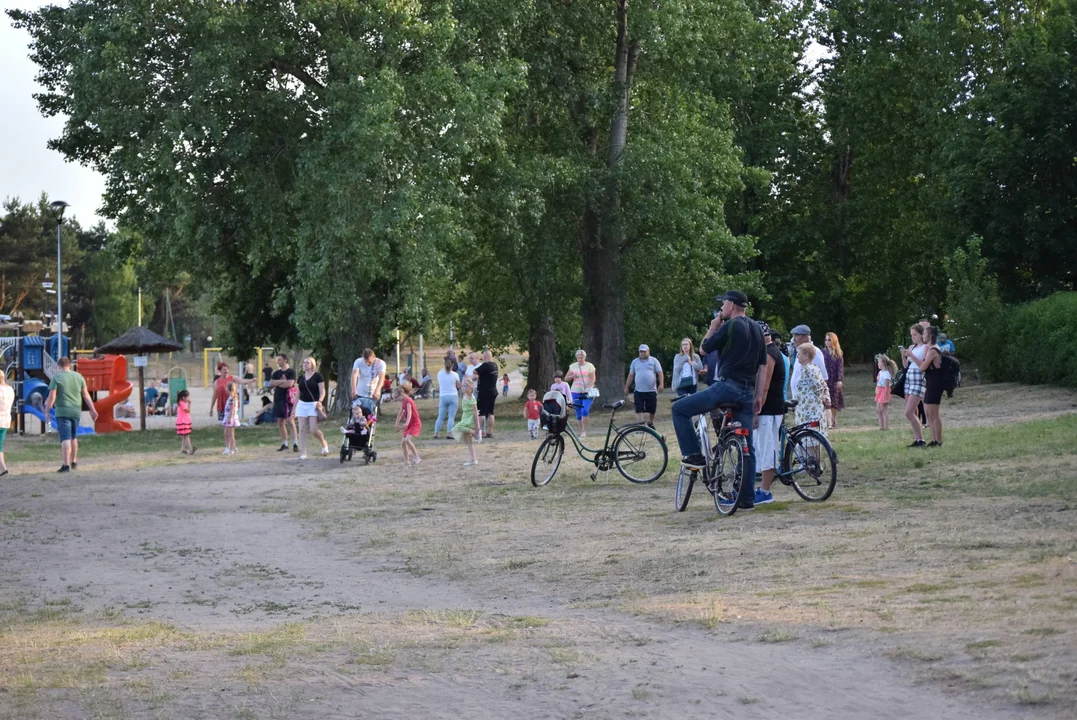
637,451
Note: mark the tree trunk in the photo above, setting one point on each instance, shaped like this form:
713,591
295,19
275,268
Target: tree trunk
347,347
602,246
542,355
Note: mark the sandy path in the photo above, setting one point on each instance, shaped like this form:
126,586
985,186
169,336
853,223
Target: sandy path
207,547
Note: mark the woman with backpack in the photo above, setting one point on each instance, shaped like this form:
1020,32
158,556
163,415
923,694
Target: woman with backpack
934,384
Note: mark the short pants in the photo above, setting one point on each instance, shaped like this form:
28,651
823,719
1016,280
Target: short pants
646,402
583,405
68,428
486,401
3,434
532,427
765,442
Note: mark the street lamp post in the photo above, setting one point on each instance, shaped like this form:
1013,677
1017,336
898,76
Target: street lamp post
47,285
59,205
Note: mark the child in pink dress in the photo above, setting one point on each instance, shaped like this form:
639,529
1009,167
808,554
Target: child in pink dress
183,422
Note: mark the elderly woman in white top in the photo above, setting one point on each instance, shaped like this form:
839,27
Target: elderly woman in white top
687,365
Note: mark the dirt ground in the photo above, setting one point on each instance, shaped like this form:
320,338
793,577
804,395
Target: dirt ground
152,585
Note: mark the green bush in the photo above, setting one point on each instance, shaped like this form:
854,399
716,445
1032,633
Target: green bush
1040,342
1034,342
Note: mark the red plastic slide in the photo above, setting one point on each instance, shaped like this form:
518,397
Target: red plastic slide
107,374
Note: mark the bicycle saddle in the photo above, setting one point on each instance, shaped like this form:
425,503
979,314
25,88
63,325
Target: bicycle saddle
613,405
790,404
729,406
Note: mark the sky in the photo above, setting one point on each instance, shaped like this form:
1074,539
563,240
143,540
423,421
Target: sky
27,166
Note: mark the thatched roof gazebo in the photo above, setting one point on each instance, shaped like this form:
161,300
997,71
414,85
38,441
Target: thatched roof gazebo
139,341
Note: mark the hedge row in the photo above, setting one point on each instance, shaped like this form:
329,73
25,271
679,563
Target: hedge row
1033,343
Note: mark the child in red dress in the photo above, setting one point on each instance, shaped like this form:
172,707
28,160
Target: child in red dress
409,424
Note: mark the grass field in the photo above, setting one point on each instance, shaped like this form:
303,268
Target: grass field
955,565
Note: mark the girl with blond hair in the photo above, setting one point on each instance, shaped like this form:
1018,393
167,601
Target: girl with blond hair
687,366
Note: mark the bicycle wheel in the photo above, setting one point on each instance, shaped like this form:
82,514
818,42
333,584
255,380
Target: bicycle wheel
812,465
547,460
640,454
685,480
728,474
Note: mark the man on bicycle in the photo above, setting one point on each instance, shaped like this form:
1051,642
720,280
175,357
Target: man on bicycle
740,378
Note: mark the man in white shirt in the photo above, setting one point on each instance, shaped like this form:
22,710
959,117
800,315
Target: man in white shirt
368,375
801,335
472,363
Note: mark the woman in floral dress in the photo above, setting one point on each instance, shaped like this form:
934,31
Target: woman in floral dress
810,392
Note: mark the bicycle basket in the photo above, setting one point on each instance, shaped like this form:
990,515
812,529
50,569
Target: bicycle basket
554,412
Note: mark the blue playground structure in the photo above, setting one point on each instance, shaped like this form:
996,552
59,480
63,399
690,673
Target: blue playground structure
37,362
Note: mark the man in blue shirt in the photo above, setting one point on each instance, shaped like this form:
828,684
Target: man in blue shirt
739,378
946,345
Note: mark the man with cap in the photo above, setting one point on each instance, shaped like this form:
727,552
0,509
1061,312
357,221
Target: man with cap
647,373
765,436
740,378
801,335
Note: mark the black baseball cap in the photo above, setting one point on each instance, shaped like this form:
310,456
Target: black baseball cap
734,296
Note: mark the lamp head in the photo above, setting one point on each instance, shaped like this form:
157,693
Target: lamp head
59,205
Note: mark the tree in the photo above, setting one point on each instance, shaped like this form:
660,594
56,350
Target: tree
300,159
1011,166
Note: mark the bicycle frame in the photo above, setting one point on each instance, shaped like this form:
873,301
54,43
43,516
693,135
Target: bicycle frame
611,432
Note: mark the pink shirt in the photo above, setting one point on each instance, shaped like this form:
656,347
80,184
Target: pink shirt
564,389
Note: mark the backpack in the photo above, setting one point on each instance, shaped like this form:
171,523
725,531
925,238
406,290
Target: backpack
951,374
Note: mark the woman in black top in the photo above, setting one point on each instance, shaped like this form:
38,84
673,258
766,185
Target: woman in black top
932,369
311,395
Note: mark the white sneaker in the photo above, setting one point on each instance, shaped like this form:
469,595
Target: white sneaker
469,463
227,452
325,451
302,457
417,461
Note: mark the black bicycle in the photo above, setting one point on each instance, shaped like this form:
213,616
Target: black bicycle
809,463
724,469
637,451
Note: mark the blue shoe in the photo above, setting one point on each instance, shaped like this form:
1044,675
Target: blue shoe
762,497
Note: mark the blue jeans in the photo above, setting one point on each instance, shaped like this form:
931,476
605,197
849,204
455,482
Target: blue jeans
723,391
447,405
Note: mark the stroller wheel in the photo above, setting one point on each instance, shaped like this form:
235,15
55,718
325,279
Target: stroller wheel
373,457
343,455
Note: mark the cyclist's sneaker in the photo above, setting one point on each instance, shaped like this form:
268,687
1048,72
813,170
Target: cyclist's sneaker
762,497
696,461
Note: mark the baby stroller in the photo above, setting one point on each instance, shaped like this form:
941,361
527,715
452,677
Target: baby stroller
359,433
554,413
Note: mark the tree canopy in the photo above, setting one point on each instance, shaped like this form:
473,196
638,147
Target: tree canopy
554,174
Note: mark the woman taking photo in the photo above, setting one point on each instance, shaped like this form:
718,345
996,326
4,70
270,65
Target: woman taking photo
687,366
582,376
932,369
915,387
834,359
311,396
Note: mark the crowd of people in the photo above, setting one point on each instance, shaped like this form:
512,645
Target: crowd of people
739,361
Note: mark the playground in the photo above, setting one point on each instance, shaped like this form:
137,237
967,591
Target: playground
153,585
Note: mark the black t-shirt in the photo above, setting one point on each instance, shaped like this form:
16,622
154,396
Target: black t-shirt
774,403
308,387
487,373
267,374
740,347
280,394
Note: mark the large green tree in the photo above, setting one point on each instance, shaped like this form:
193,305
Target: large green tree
300,159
